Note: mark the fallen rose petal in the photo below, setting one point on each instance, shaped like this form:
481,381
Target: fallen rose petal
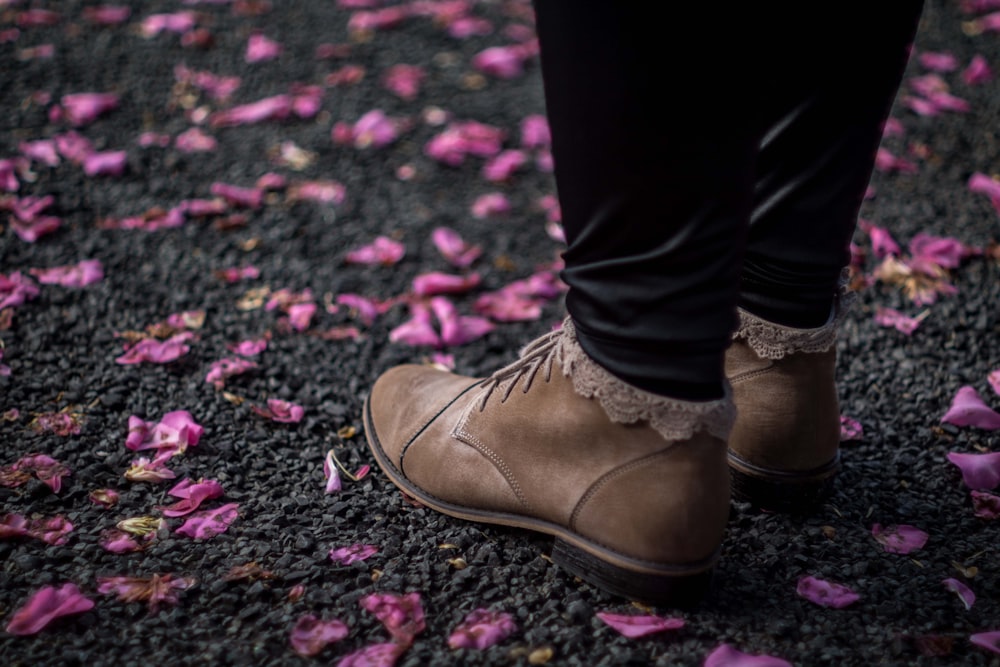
727,656
481,629
433,283
404,80
979,471
850,429
260,48
155,590
353,553
987,640
458,329
374,655
502,166
106,498
300,315
192,495
156,351
277,107
209,523
311,634
977,72
332,474
826,594
901,539
280,411
963,592
45,468
418,330
492,203
237,196
144,470
535,132
119,542
178,22
889,317
46,605
107,14
469,26
402,615
325,192
451,246
938,62
173,434
43,150
945,252
195,140
639,625
382,250
968,409
84,108
503,62
223,369
986,505
249,348
81,274
110,163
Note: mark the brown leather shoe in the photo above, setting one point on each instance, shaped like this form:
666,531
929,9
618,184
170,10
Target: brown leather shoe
784,448
634,487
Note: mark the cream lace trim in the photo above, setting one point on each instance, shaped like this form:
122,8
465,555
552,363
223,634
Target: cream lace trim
672,418
774,341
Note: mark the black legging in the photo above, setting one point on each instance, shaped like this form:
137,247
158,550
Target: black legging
708,157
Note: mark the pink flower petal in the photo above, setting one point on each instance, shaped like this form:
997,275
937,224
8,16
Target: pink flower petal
106,498
987,505
260,48
979,471
963,592
110,163
968,409
195,140
382,250
192,495
223,369
156,351
46,605
86,272
850,429
277,107
144,470
977,72
502,166
481,629
492,203
535,132
326,192
402,615
901,539
353,553
374,655
84,108
458,329
209,523
727,656
155,590
503,62
451,246
404,80
418,330
433,283
826,594
987,640
311,634
119,542
938,62
889,317
639,626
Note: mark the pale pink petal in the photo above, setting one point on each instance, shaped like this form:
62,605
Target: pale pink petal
507,305
326,192
46,605
84,108
106,498
353,553
249,348
899,539
850,429
178,22
963,592
943,251
311,634
237,196
382,250
492,203
459,253
418,330
987,640
882,242
458,329
83,273
374,655
110,163
260,48
223,369
632,626
156,351
938,61
119,542
402,615
535,132
977,72
192,495
986,505
886,161
277,107
300,315
433,283
280,411
727,656
826,594
144,470
979,471
890,317
968,409
332,474
469,26
404,80
503,62
42,150
209,523
195,140
107,14
481,629
503,165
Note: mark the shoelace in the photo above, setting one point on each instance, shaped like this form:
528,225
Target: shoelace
536,355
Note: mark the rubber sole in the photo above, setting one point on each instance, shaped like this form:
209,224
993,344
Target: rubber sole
681,586
779,490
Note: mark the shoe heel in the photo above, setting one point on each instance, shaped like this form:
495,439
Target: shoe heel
680,589
779,491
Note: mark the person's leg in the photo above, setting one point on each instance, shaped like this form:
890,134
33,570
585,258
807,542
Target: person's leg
825,94
609,434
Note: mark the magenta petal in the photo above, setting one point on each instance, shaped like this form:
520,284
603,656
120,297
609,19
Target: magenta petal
986,505
353,553
900,539
433,283
994,379
481,629
968,409
639,626
727,656
458,329
374,655
850,429
889,317
979,471
311,635
46,605
826,594
382,250
987,640
963,592
402,615
209,523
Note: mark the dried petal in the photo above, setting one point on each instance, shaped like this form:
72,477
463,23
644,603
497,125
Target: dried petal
987,505
826,594
987,640
311,635
901,539
353,553
46,605
106,498
155,590
850,429
639,626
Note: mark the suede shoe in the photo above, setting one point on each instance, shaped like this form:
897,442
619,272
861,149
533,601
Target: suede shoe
634,487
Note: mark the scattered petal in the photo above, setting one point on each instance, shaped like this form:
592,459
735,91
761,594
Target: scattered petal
106,498
850,429
968,409
209,523
727,656
987,640
987,505
156,590
46,605
890,317
81,274
311,634
458,253
353,553
901,539
979,471
963,592
402,615
481,629
639,626
280,411
826,594
374,655
382,250
192,495
260,48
